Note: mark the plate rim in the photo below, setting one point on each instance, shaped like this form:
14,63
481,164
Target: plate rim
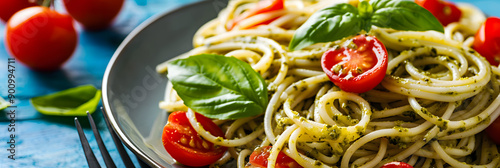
105,81
140,154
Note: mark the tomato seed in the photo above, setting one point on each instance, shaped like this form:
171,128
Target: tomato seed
183,141
191,143
205,145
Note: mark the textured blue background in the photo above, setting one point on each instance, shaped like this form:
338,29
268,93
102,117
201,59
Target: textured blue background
48,141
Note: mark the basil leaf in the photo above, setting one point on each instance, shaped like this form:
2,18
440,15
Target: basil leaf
218,86
403,15
329,24
71,102
3,104
343,20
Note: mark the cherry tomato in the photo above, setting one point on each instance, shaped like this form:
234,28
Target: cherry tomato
263,6
493,131
41,38
9,7
94,14
258,158
185,145
357,67
487,40
396,165
445,11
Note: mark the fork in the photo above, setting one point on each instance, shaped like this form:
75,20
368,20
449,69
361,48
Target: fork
89,155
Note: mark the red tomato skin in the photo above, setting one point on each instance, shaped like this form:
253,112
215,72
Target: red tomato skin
446,12
178,126
267,6
487,40
396,165
262,6
41,38
94,15
9,7
258,158
368,79
493,131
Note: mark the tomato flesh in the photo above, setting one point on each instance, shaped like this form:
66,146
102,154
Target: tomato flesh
493,131
487,40
258,158
445,11
94,14
41,38
358,66
186,146
9,7
396,165
263,6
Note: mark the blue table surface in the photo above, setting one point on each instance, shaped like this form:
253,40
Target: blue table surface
51,141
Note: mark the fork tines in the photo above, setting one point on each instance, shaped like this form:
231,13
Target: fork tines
89,155
119,146
104,151
91,160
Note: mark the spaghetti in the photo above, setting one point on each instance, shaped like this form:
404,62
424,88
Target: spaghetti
429,111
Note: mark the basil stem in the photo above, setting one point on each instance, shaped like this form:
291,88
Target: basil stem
365,9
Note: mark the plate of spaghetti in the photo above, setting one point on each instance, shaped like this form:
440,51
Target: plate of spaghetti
299,83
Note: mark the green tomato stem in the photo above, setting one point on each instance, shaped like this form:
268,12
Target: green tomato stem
46,3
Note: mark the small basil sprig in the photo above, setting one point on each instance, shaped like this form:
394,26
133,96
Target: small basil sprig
343,20
71,102
218,87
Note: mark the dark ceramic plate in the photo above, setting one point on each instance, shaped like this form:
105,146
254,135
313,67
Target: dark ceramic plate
132,88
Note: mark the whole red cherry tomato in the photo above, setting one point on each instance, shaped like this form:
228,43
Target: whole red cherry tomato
487,40
184,144
9,7
396,165
94,14
41,38
445,11
263,6
258,158
357,67
493,131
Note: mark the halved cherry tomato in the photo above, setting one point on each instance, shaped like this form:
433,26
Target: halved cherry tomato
9,7
357,67
185,145
94,14
446,12
263,6
487,40
41,38
396,165
258,158
493,131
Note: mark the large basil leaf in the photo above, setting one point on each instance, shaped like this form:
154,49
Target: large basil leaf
3,104
403,15
71,102
218,87
329,24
